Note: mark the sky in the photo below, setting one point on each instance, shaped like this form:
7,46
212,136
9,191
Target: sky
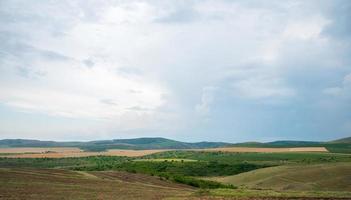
191,70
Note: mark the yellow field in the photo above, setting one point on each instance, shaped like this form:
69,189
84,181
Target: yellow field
62,152
267,150
39,150
69,152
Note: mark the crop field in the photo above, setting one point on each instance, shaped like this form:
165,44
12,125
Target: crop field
180,174
267,150
63,152
21,150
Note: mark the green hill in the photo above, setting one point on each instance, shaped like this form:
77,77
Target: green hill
342,140
101,145
330,177
336,146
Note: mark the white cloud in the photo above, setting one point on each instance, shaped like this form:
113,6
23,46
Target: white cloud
74,90
207,98
305,29
142,64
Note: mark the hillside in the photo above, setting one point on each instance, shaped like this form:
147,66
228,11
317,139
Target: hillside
101,145
54,184
336,146
336,176
342,140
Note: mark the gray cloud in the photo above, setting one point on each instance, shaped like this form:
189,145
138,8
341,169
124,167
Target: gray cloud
234,70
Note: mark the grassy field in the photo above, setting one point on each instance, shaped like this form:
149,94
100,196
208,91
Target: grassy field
254,157
65,152
166,160
64,184
317,177
185,174
54,184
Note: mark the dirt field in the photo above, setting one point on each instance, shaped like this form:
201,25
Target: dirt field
52,184
40,150
69,152
76,152
268,150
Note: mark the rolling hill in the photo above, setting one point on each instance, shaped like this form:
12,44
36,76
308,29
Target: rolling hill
101,145
326,176
336,146
342,140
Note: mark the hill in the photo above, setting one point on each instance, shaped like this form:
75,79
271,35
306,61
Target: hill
336,146
342,140
331,177
101,145
57,184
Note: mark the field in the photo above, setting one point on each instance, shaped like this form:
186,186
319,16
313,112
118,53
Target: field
21,150
52,184
317,177
65,184
64,152
184,174
217,173
267,150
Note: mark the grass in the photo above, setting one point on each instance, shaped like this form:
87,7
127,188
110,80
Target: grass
264,158
317,177
61,162
217,173
264,194
165,160
52,184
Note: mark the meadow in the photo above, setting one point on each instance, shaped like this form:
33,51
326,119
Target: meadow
199,174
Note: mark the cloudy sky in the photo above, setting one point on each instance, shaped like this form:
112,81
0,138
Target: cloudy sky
214,70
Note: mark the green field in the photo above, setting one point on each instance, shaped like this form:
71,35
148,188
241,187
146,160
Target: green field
317,177
166,160
184,174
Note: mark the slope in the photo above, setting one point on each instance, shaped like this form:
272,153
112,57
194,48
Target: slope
331,177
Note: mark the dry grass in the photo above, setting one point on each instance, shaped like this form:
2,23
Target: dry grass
39,150
70,152
267,150
317,177
52,184
63,152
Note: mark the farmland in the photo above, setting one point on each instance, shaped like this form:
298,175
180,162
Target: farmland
69,152
63,152
237,172
185,174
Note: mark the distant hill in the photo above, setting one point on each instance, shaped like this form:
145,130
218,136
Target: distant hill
336,146
342,140
101,145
